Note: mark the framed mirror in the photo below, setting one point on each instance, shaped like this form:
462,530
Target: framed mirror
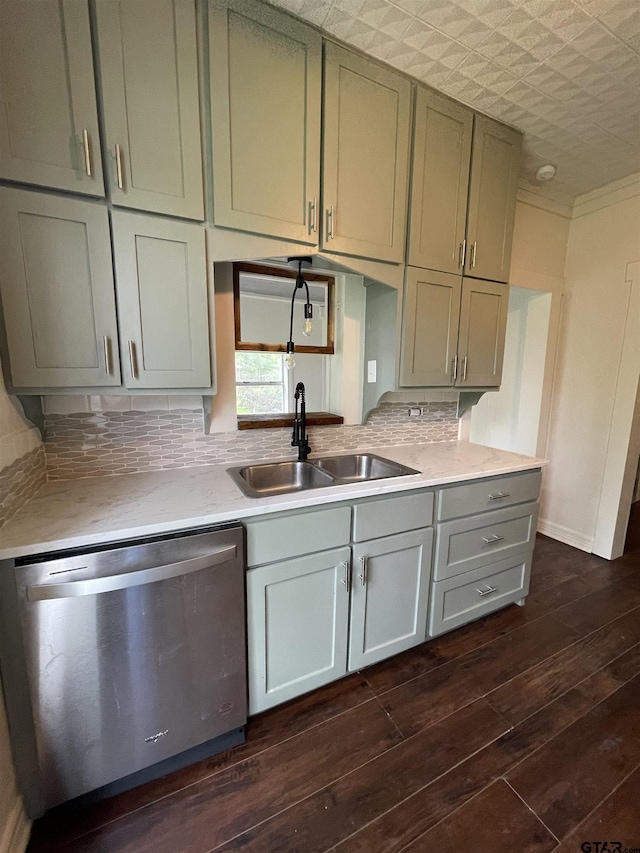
262,309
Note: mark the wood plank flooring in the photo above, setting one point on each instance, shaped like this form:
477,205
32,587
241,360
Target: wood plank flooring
519,733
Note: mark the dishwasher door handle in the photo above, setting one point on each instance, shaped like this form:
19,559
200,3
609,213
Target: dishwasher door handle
94,586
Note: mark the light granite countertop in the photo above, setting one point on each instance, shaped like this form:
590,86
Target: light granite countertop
77,513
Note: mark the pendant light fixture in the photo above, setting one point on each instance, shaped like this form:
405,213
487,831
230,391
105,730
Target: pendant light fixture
308,308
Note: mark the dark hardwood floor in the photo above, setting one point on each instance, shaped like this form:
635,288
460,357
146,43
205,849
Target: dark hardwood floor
518,733
632,542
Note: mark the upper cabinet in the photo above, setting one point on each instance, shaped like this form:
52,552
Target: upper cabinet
367,110
59,299
463,190
453,331
495,168
56,280
48,117
439,182
148,59
266,81
430,328
161,283
483,325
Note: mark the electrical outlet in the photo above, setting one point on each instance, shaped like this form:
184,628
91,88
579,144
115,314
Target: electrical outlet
371,371
415,411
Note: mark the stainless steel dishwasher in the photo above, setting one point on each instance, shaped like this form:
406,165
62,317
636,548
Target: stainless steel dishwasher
134,653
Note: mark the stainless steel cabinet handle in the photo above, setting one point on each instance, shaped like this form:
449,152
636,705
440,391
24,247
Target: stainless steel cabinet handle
119,175
489,540
94,586
364,563
313,216
132,360
87,153
463,253
474,249
108,366
487,591
454,368
346,580
465,361
498,496
330,222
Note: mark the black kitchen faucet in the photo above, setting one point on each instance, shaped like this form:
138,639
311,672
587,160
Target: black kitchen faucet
299,437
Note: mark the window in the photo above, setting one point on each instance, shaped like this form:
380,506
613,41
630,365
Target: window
261,383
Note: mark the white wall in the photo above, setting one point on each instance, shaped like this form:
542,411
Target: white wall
509,419
17,438
604,241
537,266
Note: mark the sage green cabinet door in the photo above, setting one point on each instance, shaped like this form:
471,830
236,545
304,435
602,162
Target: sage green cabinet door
367,110
48,117
495,169
483,324
266,80
57,290
430,327
149,76
439,182
297,617
390,596
161,283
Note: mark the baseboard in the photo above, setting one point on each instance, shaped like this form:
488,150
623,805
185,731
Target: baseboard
563,534
15,835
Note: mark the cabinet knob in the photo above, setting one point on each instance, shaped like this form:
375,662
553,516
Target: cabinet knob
498,496
474,249
489,540
454,368
488,591
465,361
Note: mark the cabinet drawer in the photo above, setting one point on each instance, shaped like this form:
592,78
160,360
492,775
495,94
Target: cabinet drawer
282,536
377,518
468,543
492,493
459,600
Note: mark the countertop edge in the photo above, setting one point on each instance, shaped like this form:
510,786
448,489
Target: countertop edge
262,506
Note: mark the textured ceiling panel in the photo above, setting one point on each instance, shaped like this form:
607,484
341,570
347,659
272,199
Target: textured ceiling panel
565,72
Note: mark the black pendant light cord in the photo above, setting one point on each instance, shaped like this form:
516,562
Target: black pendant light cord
300,280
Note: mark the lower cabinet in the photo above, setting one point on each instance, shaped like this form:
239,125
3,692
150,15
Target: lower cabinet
389,596
313,617
370,593
298,613
482,559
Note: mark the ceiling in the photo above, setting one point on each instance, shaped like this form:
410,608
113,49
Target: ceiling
566,72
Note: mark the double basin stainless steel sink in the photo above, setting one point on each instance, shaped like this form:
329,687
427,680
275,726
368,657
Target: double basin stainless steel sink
280,478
